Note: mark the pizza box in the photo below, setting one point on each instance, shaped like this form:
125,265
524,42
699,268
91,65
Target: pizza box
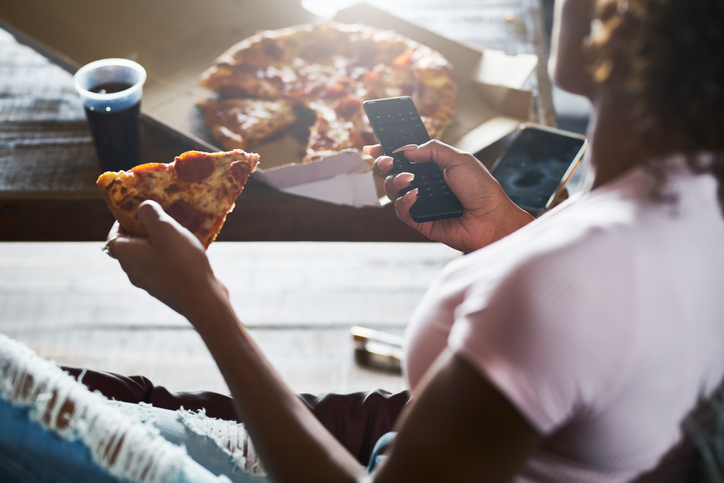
176,40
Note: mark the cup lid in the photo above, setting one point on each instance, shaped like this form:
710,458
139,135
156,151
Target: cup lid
109,70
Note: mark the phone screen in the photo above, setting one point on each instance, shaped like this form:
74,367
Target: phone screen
534,167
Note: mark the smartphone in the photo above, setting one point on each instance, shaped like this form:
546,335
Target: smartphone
536,166
397,123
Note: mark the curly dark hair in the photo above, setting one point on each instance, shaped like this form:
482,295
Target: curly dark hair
672,76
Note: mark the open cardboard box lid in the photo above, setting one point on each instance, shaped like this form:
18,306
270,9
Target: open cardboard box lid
176,40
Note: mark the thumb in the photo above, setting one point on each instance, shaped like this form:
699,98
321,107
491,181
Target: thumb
438,152
151,215
161,227
149,212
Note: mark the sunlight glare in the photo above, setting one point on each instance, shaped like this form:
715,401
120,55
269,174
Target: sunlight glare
328,8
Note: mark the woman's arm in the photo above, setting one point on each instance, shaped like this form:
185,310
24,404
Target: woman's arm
172,266
458,429
488,213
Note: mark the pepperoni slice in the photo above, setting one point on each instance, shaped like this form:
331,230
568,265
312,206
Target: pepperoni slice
194,168
347,107
187,215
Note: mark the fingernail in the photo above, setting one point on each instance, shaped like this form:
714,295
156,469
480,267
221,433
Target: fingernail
407,147
384,162
367,149
403,179
410,196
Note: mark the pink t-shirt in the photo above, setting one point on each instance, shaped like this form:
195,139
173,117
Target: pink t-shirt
602,322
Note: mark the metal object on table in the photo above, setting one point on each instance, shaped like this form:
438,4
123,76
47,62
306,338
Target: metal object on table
376,349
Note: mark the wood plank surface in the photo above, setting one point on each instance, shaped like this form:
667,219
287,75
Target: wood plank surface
73,304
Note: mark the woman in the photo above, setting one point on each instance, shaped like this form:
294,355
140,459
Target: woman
569,348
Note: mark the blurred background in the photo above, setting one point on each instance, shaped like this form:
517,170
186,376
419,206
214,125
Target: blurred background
572,110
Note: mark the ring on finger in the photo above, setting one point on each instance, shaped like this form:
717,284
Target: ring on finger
108,247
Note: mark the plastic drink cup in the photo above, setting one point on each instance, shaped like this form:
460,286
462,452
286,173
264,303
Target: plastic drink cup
111,91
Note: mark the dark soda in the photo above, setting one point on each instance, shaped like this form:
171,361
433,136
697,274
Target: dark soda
116,133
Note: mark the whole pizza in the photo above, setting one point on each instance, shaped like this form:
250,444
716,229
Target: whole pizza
279,78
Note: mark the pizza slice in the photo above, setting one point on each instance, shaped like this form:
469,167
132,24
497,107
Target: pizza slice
341,126
197,189
245,123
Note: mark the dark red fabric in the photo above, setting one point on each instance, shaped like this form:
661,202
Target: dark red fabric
133,389
356,419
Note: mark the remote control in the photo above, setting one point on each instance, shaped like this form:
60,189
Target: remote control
397,123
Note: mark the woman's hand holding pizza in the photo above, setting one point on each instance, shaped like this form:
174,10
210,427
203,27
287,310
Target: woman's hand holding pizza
170,264
488,213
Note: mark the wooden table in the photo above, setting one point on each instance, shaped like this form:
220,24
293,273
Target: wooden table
74,305
48,166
